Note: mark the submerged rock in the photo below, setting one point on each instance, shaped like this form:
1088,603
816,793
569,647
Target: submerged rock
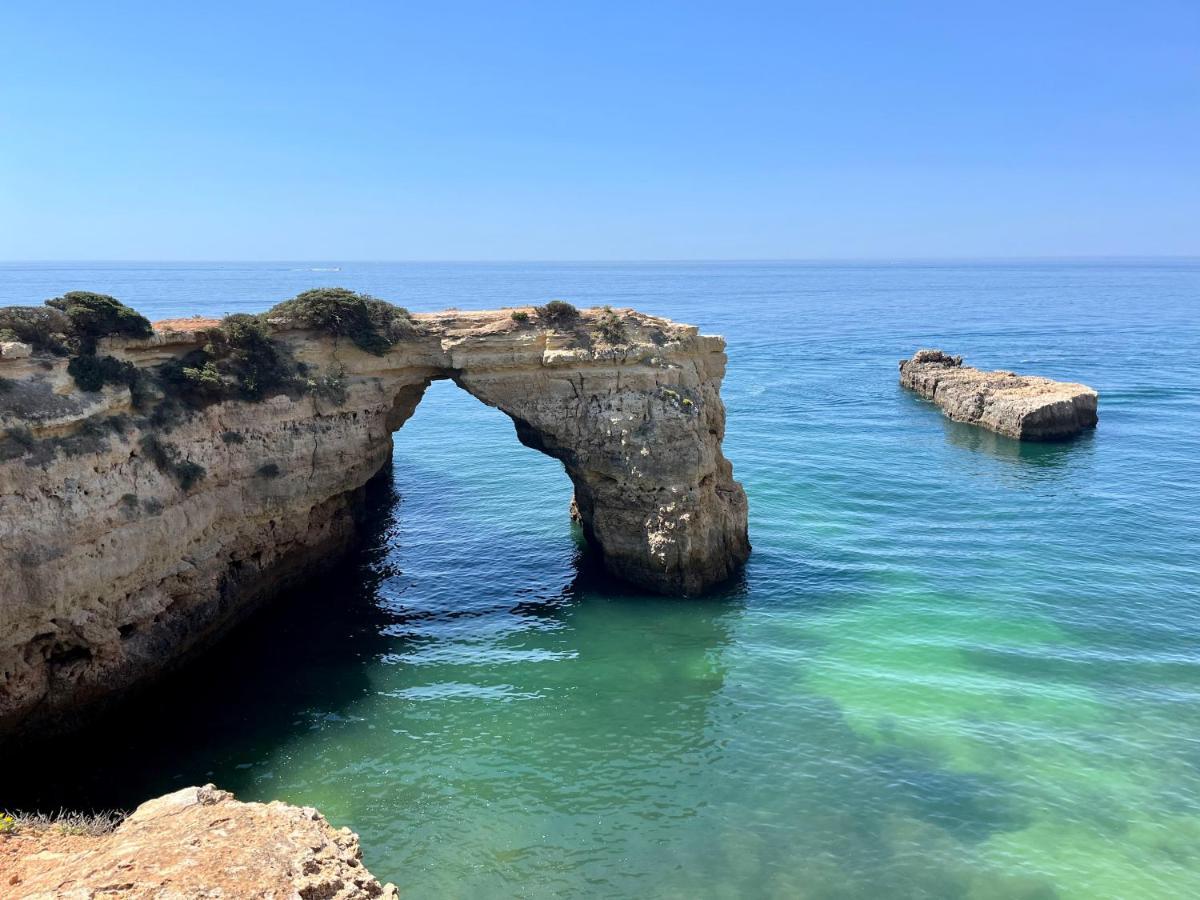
140,519
196,842
1026,407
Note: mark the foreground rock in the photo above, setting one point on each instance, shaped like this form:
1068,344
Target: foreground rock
197,842
134,530
1026,407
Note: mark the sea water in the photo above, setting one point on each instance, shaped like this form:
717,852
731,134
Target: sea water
955,665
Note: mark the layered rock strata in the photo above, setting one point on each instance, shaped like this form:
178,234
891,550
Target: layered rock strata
1026,407
128,540
196,842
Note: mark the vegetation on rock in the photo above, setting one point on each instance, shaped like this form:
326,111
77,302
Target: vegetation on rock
373,325
520,316
239,361
557,313
91,373
610,327
45,329
331,386
93,316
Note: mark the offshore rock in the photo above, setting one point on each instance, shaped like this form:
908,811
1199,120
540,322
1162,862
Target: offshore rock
127,543
196,842
1026,407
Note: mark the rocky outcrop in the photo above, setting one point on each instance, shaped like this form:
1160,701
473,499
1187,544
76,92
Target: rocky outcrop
132,532
1026,407
197,842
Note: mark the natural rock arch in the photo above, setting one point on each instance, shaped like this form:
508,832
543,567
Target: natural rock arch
114,567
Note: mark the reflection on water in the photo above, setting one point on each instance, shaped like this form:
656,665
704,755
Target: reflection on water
1043,455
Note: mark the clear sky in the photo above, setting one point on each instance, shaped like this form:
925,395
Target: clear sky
580,130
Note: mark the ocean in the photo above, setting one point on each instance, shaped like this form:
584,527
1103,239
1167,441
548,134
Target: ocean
955,666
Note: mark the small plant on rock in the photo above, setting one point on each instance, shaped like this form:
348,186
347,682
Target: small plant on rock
331,386
557,313
610,327
520,316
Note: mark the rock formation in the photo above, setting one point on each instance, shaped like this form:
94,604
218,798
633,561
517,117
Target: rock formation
135,525
1026,407
197,842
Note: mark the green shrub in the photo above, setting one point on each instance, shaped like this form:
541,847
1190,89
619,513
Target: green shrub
91,373
239,360
557,313
269,470
373,325
46,330
233,437
610,327
520,316
93,316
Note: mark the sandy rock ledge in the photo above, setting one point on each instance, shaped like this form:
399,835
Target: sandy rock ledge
195,843
1026,407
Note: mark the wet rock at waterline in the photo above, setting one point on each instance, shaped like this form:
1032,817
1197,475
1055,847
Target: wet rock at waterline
1026,407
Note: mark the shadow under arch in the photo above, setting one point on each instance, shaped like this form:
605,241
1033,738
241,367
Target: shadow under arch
317,658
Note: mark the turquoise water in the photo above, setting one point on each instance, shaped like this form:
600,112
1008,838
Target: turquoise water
955,666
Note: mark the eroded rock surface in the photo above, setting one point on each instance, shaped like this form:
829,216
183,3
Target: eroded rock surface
1026,407
129,539
195,843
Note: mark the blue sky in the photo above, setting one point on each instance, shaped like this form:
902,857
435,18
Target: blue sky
446,130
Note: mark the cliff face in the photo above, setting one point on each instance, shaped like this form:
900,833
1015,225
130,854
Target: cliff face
128,539
1026,407
196,842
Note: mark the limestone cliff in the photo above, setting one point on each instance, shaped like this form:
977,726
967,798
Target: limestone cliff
196,842
133,529
1026,407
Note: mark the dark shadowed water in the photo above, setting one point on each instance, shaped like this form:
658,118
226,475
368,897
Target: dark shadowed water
956,666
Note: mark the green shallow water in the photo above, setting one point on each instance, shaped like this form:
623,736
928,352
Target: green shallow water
956,666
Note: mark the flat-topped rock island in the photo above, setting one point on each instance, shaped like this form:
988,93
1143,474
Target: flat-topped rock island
1025,407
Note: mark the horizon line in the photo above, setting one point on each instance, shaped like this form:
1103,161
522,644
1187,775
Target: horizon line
830,260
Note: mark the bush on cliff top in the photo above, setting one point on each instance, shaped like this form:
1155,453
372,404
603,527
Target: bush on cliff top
373,325
93,316
72,322
611,327
46,330
557,313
